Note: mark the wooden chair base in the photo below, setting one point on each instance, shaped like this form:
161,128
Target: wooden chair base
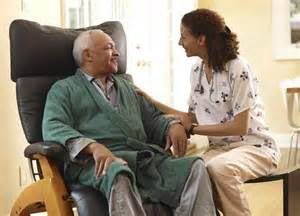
48,194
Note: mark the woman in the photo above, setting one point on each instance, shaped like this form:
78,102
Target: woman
225,106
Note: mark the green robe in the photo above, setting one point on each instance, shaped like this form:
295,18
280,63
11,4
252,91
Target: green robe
74,108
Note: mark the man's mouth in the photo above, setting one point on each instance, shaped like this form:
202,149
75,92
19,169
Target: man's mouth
115,61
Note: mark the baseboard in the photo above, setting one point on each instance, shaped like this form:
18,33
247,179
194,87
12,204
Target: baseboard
282,140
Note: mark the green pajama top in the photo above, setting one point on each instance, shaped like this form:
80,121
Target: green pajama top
135,131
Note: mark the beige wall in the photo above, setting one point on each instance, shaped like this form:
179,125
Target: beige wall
251,20
11,135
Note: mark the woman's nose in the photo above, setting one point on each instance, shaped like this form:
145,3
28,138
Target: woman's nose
180,42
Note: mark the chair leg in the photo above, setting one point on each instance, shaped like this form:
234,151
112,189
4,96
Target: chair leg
296,148
49,192
28,200
45,191
290,150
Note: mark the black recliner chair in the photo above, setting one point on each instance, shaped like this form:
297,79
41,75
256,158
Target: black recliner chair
41,55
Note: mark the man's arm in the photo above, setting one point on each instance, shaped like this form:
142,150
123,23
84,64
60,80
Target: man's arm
58,119
58,126
162,130
155,123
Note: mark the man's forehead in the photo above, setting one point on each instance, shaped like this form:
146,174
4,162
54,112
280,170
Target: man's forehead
101,37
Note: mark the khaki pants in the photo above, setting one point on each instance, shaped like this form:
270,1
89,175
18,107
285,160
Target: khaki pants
229,167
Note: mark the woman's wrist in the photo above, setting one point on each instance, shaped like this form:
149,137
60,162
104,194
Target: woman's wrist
191,130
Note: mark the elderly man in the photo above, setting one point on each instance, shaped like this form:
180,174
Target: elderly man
116,139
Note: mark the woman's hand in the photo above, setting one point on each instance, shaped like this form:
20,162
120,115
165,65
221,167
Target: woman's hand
184,118
142,93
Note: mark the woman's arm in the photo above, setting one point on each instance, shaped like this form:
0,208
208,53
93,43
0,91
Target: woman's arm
186,118
237,127
162,107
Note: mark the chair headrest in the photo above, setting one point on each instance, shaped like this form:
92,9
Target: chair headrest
40,50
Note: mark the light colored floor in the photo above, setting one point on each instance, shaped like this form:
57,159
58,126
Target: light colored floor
265,199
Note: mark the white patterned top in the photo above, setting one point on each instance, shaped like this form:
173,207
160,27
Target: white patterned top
229,93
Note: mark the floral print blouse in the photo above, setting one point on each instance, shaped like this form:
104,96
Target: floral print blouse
229,93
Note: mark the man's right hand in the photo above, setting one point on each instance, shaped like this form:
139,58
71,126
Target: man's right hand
103,158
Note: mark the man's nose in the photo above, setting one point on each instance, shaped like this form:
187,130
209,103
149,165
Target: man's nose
116,53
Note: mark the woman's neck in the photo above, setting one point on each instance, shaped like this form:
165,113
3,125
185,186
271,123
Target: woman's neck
208,71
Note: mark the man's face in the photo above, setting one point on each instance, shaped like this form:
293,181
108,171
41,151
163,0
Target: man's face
103,53
189,42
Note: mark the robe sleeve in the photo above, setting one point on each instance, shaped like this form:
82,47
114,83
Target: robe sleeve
155,123
58,122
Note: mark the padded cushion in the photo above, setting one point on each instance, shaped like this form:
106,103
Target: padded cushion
31,97
40,50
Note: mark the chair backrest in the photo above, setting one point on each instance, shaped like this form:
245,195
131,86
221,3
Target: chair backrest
41,55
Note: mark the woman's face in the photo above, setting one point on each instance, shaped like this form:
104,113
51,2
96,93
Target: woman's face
193,45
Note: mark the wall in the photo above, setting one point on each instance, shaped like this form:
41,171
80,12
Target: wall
251,20
11,135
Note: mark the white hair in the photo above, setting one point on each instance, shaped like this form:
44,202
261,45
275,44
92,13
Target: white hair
82,42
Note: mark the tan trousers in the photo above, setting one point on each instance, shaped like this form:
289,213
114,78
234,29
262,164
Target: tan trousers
229,167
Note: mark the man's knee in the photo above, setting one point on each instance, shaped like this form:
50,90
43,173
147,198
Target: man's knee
198,169
122,180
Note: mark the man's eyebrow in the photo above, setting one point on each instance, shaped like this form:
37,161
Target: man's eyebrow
111,43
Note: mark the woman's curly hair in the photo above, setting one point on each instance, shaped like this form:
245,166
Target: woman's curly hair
221,43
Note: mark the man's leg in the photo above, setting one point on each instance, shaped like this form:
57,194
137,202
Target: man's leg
196,197
231,169
123,199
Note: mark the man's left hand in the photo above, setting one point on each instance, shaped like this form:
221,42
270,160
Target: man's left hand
177,138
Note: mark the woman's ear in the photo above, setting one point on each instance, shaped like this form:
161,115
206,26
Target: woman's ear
201,39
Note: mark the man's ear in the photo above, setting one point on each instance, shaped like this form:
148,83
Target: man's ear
201,40
87,55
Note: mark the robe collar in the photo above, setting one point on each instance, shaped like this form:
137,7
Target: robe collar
101,102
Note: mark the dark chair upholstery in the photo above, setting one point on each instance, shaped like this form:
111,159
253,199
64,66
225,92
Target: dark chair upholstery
41,55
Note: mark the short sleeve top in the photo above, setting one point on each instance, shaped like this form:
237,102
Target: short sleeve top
229,93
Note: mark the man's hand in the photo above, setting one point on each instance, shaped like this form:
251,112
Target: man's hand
177,138
103,158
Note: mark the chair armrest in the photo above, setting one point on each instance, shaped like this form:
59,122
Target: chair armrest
50,150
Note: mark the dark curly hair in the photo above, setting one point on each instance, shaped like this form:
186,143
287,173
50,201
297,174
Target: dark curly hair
221,43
